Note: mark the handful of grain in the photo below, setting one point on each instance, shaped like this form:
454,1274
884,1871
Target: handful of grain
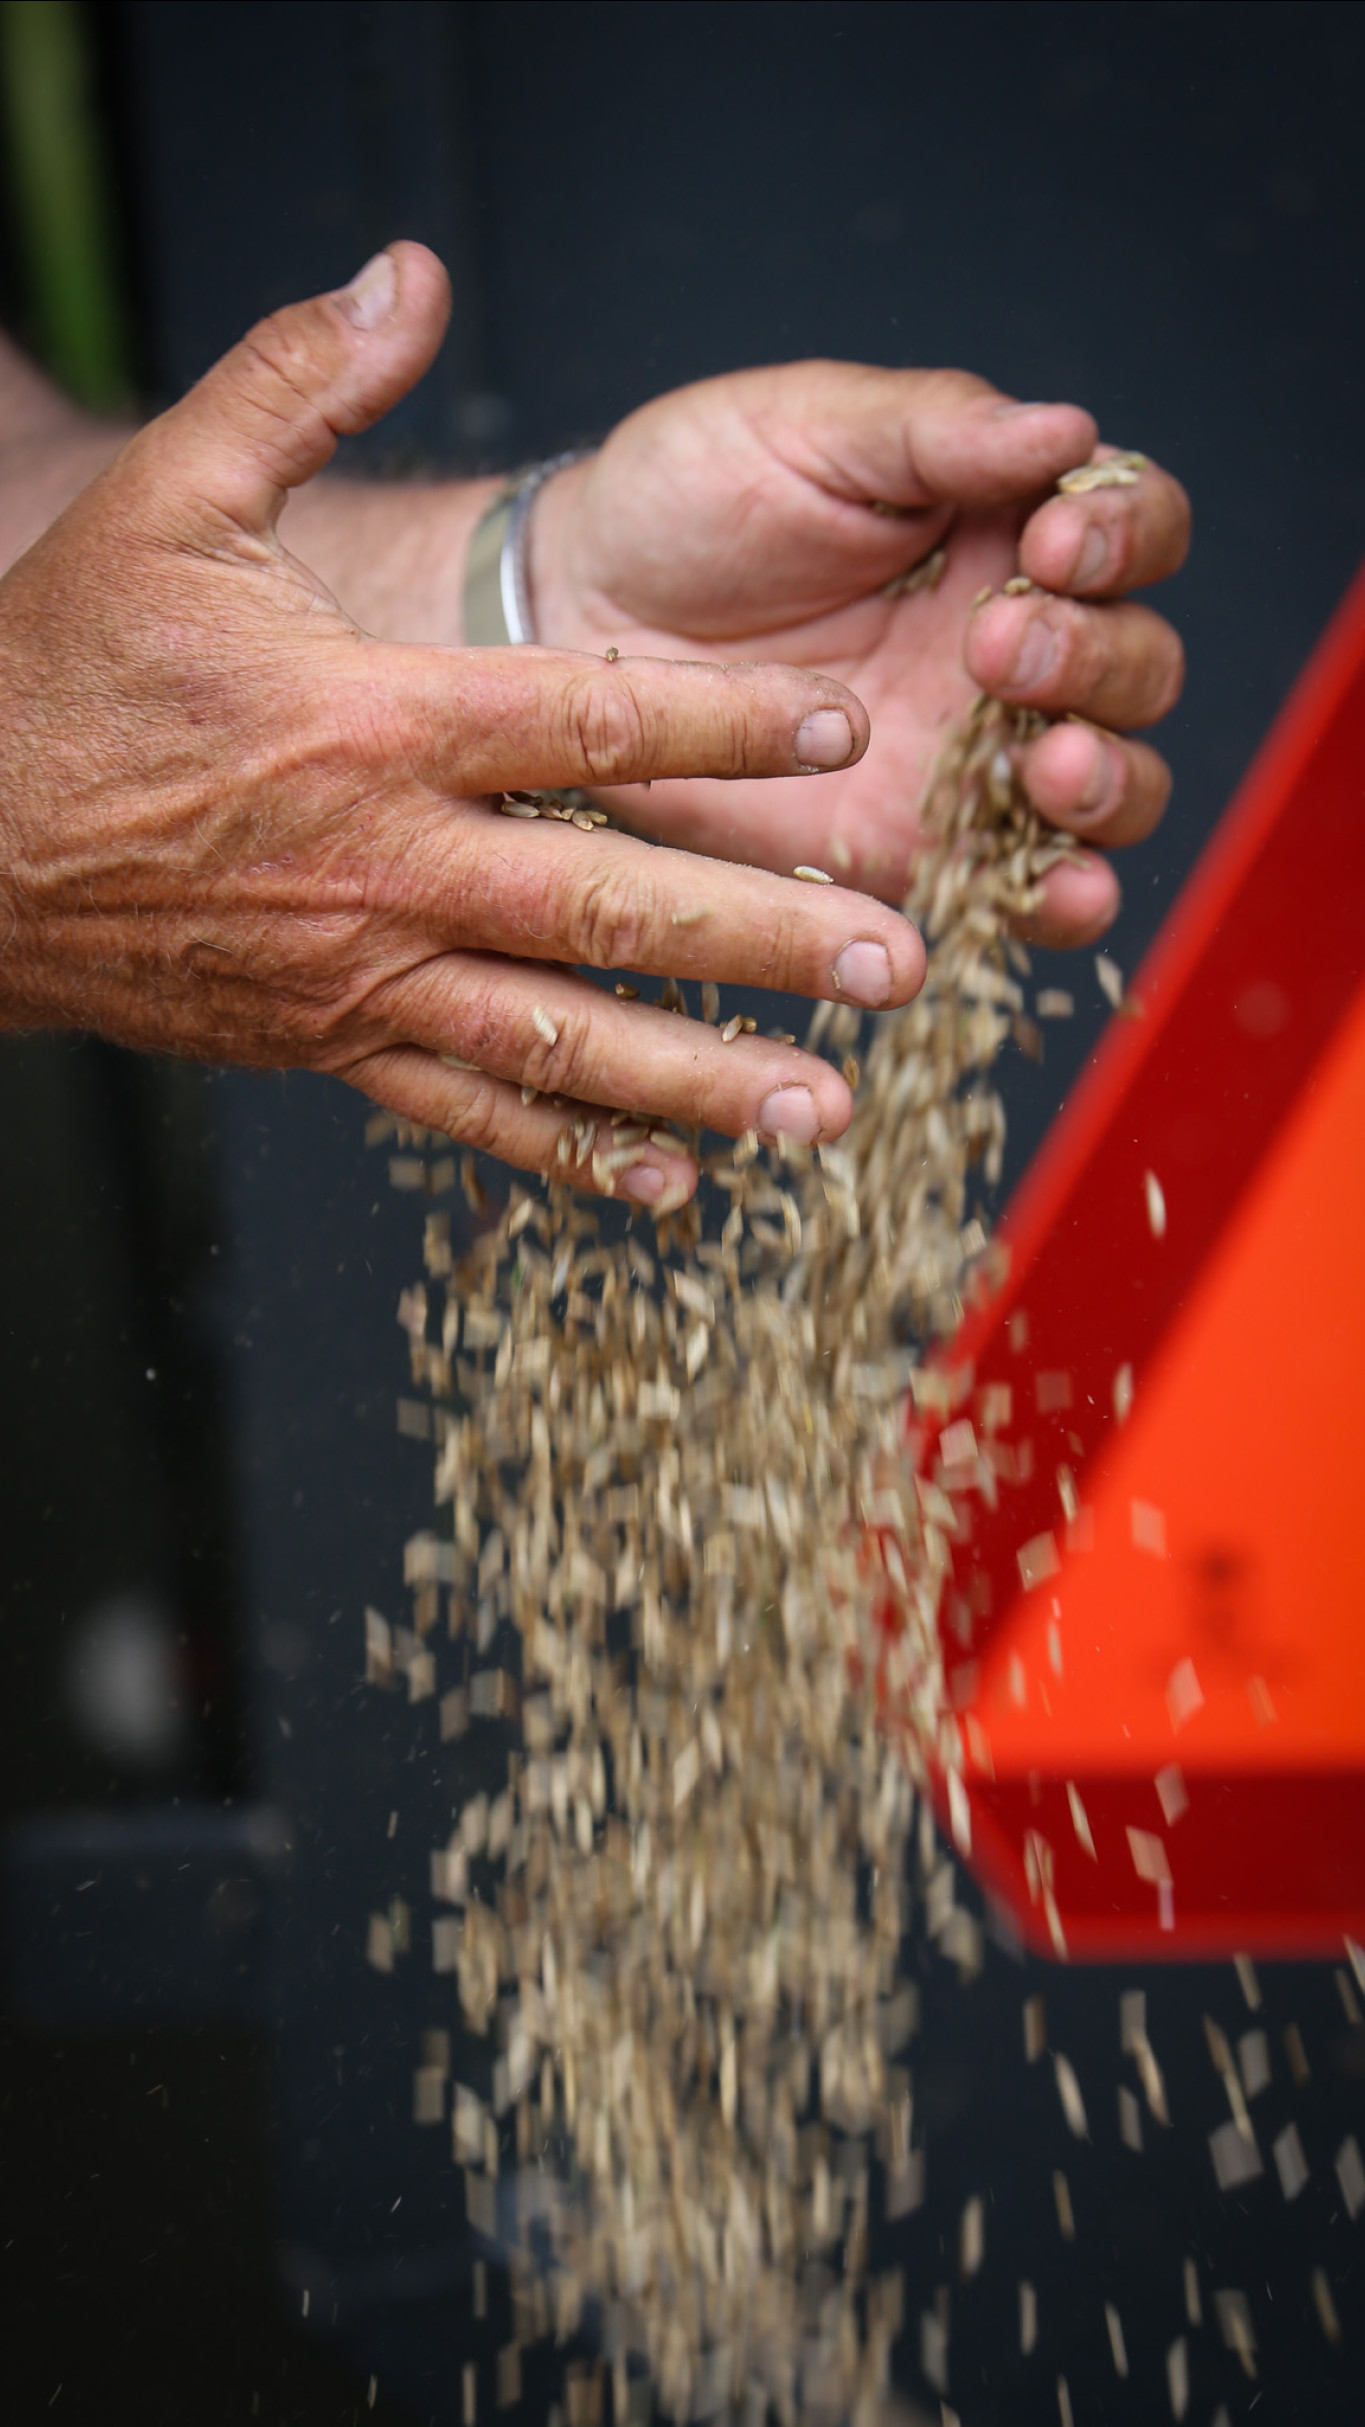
682,1476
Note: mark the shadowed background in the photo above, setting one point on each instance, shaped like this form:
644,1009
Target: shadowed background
1156,210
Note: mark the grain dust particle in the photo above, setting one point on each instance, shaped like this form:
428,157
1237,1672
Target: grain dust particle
1236,2160
1253,2056
543,1025
1236,2328
1350,2170
1037,1561
1149,1856
1035,2028
1028,2318
1117,2347
1110,979
1064,2411
1116,472
1290,2163
1258,1695
1123,1393
959,1814
1149,1528
813,876
1170,1793
1184,1694
1178,2377
1130,2120
1069,2092
1326,2307
1080,1821
1156,1204
1066,2216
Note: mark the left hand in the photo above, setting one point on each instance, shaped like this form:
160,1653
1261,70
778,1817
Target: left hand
761,515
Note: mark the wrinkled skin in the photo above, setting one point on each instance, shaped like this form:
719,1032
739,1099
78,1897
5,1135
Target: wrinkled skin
238,826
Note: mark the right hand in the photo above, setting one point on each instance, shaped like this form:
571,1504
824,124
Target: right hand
236,827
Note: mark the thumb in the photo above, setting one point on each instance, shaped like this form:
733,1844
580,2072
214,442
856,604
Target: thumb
268,416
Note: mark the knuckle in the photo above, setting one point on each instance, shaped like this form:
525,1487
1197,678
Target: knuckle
483,1119
613,928
566,1067
608,728
280,375
497,1032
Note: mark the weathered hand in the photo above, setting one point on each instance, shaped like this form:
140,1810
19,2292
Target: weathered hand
235,827
767,511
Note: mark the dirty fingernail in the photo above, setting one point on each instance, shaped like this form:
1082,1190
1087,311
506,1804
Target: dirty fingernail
789,1112
824,739
370,296
1035,655
862,974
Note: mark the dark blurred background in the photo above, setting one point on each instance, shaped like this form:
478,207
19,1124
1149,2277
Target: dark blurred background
216,2206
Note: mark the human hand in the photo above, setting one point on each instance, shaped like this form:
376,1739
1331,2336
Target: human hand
235,827
768,511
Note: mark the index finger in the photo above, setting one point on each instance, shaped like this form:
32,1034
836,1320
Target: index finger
493,720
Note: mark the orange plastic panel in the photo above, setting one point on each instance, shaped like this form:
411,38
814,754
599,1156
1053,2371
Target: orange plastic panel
1193,1669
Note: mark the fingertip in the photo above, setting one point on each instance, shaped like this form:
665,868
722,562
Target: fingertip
400,300
1044,439
1081,900
1074,773
660,1188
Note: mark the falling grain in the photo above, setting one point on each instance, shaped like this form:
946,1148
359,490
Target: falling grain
661,1908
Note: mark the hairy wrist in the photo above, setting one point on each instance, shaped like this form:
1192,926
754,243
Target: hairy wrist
391,552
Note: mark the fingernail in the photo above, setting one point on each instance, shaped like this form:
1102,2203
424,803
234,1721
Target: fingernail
789,1112
824,739
370,296
1002,412
862,974
665,1191
1093,558
1035,656
1104,781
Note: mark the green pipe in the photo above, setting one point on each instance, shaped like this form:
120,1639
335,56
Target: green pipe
61,199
